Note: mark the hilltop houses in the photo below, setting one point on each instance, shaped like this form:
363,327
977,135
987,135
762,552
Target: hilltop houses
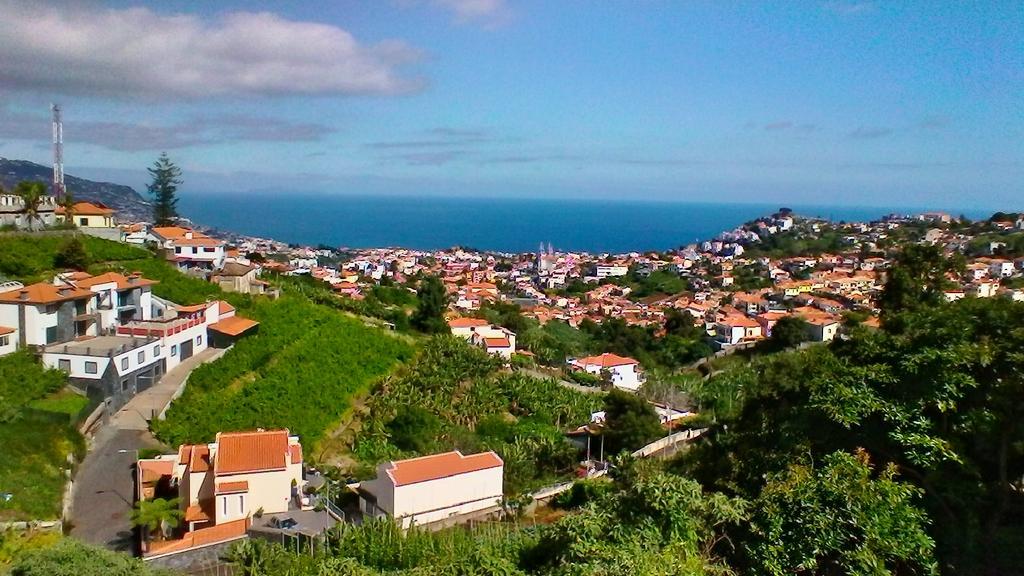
435,488
87,215
13,214
109,333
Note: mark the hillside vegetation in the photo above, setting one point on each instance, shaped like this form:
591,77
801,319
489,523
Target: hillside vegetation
455,397
36,438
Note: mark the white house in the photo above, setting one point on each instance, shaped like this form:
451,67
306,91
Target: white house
189,248
624,371
46,314
429,489
112,368
1001,268
736,328
479,332
609,270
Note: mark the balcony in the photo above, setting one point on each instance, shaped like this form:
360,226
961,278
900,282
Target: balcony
158,328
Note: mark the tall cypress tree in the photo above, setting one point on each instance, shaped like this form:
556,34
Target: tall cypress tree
166,179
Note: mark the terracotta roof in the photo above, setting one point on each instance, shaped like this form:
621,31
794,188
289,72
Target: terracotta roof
233,325
43,293
496,342
738,320
606,360
467,322
88,209
172,232
296,453
434,467
239,452
122,281
4,330
232,487
154,470
199,512
210,242
199,459
224,308
192,308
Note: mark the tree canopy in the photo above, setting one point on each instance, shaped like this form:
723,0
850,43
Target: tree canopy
166,177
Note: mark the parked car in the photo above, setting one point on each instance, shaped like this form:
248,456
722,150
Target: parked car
286,523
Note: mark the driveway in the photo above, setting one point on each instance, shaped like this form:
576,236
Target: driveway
104,492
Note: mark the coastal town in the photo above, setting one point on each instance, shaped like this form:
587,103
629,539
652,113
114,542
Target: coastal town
117,343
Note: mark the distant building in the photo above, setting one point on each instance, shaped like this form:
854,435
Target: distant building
88,215
429,489
623,371
12,212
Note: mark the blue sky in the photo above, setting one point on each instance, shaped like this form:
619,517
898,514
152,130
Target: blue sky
827,102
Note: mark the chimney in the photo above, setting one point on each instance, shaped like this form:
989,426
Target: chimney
188,235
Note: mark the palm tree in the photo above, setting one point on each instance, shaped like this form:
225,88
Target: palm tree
157,514
68,204
32,195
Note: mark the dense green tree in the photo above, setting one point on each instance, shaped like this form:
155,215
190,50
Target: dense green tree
163,189
414,428
630,421
788,332
433,302
72,255
918,277
70,557
838,519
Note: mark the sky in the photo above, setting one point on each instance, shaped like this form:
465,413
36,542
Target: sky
846,102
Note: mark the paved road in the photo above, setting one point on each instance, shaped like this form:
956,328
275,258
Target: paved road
105,485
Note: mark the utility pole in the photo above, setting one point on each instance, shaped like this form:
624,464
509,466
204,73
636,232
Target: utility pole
58,152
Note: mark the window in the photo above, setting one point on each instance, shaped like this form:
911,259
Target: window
142,356
199,340
51,334
124,385
174,349
90,367
241,504
64,365
83,221
124,363
225,505
5,340
177,249
208,250
156,351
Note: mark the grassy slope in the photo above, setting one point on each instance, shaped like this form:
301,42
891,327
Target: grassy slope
34,443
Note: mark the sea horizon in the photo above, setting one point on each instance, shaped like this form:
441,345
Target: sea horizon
498,224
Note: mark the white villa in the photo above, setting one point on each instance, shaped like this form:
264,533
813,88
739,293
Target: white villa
624,371
429,489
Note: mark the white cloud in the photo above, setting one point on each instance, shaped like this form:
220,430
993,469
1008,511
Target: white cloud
136,52
470,10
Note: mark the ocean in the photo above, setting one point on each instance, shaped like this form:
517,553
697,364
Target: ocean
497,224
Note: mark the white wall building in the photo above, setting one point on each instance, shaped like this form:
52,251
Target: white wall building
624,371
430,489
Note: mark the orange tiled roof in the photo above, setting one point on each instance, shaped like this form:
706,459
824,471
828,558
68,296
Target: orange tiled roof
199,512
173,232
496,342
5,330
296,453
232,487
426,468
44,293
233,325
606,360
154,470
88,209
239,452
123,282
199,459
224,307
467,322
